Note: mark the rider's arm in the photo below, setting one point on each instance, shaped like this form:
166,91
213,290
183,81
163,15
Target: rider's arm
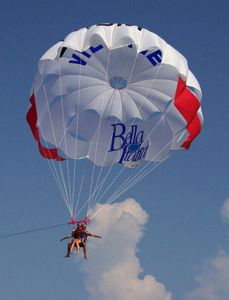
94,235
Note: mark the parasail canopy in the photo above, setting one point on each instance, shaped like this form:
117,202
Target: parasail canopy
116,95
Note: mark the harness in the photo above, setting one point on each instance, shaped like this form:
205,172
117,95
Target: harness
79,234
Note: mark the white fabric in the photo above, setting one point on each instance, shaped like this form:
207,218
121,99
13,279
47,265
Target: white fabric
77,108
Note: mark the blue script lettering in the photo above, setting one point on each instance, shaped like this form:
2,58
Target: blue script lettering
130,156
117,127
128,142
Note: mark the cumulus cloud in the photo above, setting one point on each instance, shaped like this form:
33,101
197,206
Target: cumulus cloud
113,269
213,281
214,278
225,211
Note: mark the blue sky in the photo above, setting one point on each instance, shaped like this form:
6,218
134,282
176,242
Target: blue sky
183,197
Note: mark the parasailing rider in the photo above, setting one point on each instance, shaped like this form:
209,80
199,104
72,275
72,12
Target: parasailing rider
79,237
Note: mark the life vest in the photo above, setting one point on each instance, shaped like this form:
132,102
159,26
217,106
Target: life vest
76,233
79,233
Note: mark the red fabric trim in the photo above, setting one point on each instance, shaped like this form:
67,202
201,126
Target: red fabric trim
194,129
188,104
31,118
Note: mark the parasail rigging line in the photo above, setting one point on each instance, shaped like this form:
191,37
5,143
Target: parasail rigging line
136,178
91,201
100,121
112,199
7,235
54,136
79,194
75,145
98,186
140,174
156,125
56,176
65,142
131,180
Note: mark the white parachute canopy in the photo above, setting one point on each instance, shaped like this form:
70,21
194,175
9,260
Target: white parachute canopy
116,95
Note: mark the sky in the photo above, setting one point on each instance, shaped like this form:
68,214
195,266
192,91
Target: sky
170,232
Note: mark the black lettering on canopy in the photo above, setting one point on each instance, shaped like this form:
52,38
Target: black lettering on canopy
105,24
62,51
110,24
139,28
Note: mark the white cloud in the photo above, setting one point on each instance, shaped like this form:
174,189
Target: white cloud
225,211
112,272
213,282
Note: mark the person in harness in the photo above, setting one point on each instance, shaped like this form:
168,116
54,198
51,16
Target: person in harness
79,239
84,234
74,242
